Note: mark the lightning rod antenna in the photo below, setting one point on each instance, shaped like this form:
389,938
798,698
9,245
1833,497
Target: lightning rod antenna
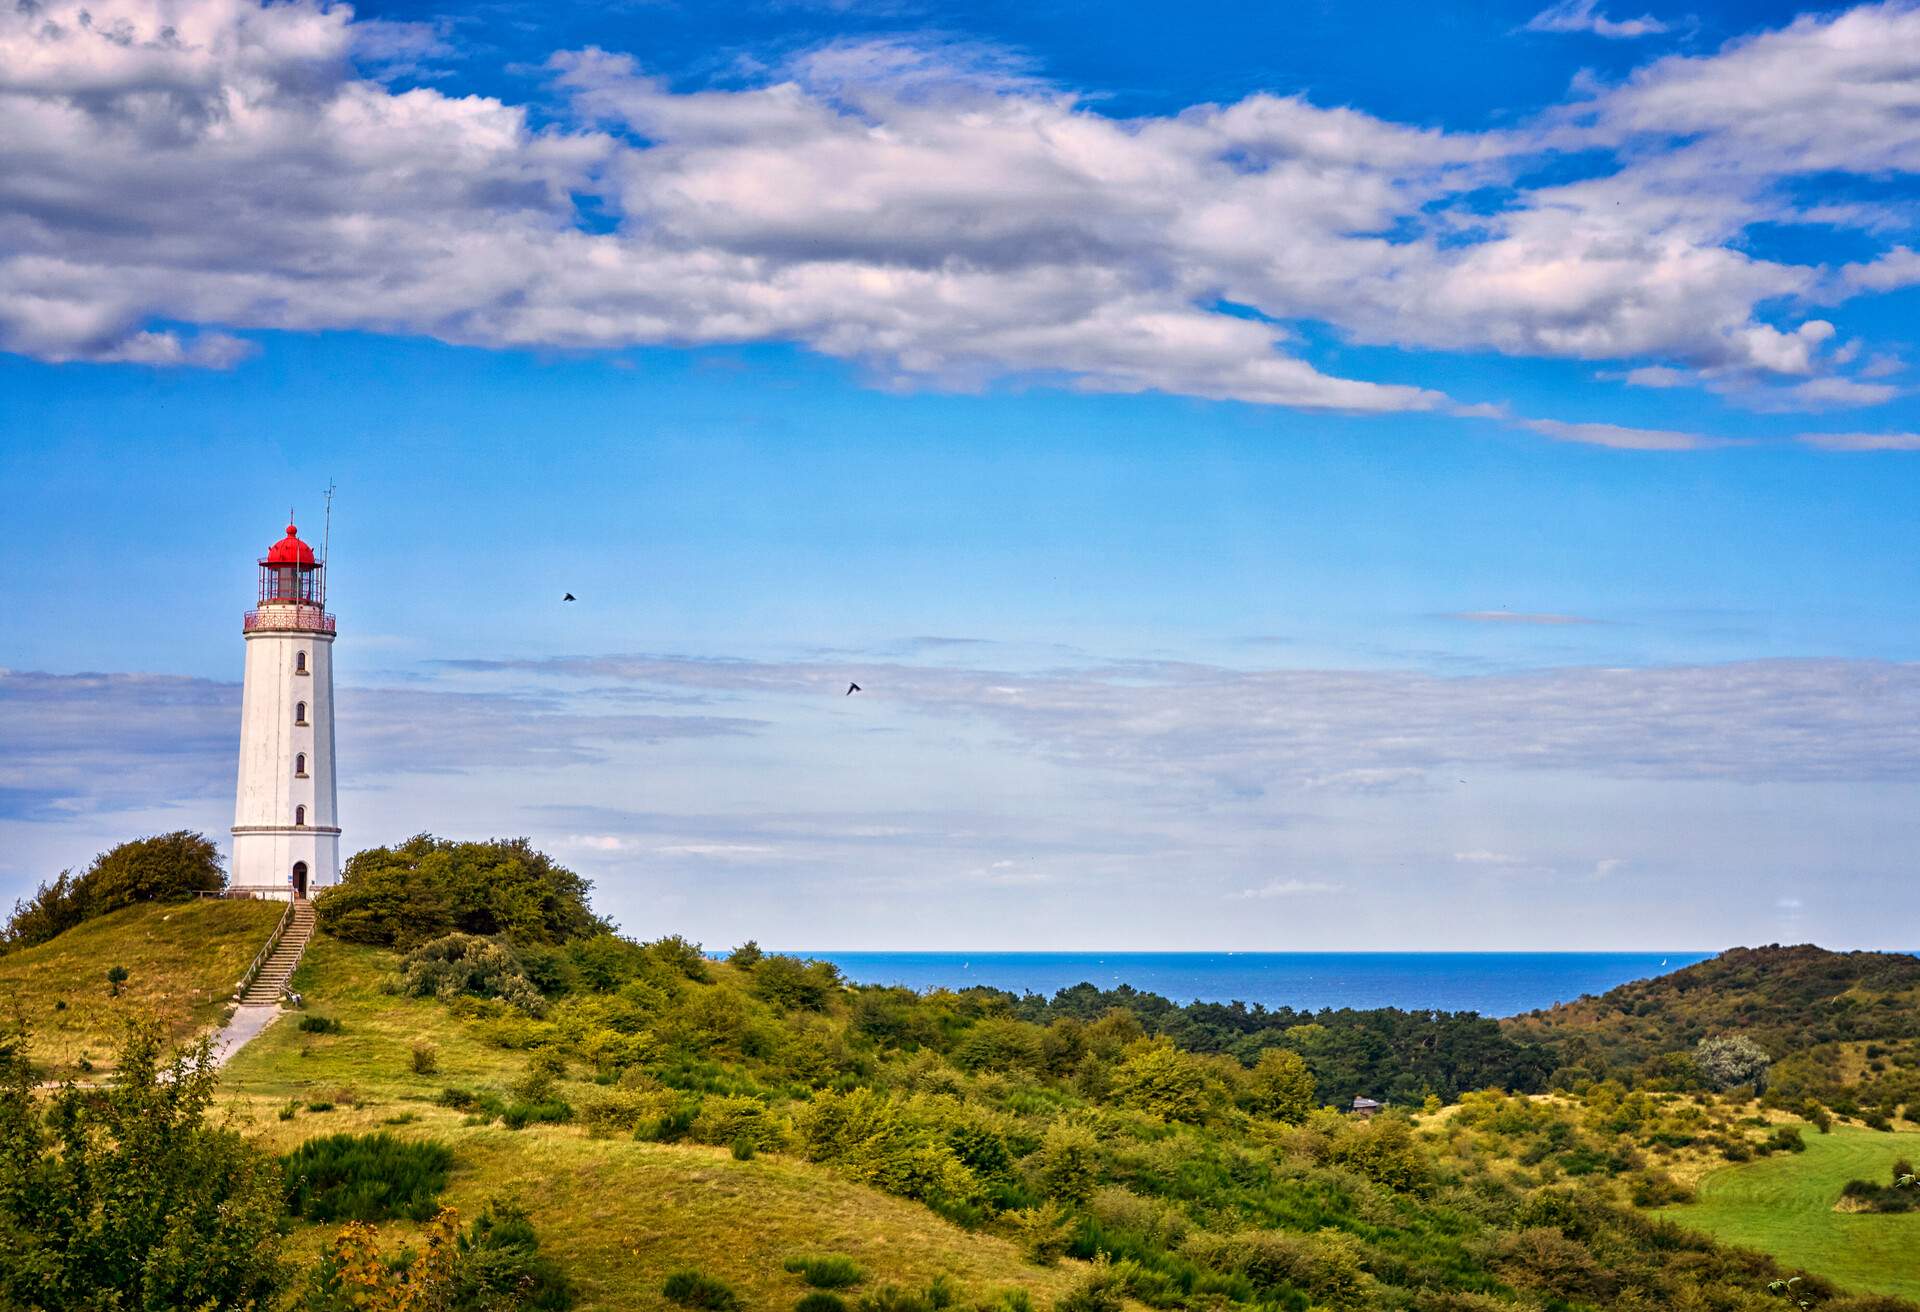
326,536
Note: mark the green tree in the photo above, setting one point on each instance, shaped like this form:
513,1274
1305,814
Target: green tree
126,1198
1280,1086
429,887
1157,1078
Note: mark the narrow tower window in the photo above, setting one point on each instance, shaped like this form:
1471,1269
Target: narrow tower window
299,712
299,815
299,662
300,765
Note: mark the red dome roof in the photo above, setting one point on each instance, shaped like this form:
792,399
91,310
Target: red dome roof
290,550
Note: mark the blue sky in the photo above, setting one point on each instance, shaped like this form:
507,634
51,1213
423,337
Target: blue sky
1285,476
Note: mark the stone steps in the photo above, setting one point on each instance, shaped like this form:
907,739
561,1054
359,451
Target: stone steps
268,985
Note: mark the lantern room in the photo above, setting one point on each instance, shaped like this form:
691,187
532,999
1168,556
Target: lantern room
289,574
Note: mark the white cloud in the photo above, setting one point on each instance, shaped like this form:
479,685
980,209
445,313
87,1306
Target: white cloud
1482,857
1862,441
1585,16
934,212
1285,888
1620,437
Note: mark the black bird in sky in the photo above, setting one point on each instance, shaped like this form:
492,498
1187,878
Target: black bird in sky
569,597
852,688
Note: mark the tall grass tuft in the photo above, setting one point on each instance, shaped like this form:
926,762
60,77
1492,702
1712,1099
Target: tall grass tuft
366,1177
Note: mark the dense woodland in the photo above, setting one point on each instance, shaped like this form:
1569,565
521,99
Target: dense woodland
1187,1152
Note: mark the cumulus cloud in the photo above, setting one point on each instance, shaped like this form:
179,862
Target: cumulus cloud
1585,16
938,214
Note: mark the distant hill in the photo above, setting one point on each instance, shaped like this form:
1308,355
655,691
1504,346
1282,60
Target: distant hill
182,961
1787,999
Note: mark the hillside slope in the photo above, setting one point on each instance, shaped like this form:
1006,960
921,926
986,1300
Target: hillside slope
1788,999
620,1215
182,961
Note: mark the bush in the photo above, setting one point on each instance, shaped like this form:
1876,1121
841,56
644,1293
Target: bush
1280,1086
1787,1139
426,1057
319,1025
1729,1061
829,1272
370,1177
697,1290
1099,1290
500,1266
466,965
519,1115
165,868
1068,1164
429,887
746,956
819,1300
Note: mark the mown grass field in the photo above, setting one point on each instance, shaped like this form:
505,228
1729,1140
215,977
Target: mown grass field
1784,1205
183,960
618,1214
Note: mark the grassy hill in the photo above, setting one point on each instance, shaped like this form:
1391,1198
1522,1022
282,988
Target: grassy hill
182,960
1784,1205
620,1215
1791,1000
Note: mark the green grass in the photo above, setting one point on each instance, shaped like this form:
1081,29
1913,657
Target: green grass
182,958
618,1216
1783,1205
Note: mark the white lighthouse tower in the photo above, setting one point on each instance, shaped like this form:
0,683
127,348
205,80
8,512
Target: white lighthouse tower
286,836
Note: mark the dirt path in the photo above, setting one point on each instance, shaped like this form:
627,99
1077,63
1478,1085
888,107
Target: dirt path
246,1025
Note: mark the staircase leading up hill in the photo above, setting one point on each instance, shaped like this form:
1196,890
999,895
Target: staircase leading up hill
271,979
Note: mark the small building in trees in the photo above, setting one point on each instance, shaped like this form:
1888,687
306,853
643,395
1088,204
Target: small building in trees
1365,1108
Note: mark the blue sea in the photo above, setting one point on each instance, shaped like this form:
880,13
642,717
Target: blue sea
1491,983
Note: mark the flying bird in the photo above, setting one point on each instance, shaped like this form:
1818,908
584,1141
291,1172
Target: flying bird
852,688
569,597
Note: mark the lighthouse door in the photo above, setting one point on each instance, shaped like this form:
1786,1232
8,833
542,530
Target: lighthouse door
300,880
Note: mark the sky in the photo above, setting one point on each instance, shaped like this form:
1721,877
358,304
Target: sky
1284,476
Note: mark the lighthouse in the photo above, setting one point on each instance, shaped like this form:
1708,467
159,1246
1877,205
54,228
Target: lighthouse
286,836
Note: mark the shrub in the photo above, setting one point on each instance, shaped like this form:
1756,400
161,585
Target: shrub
519,1115
1067,1166
727,1119
500,1265
319,1025
697,1290
371,1177
790,983
426,1057
466,965
1787,1139
742,1148
746,956
819,1300
1099,1290
429,887
832,1271
1728,1061
617,1111
116,976
1045,1232
893,1298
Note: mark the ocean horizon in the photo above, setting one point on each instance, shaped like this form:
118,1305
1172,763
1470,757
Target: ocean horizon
1491,983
